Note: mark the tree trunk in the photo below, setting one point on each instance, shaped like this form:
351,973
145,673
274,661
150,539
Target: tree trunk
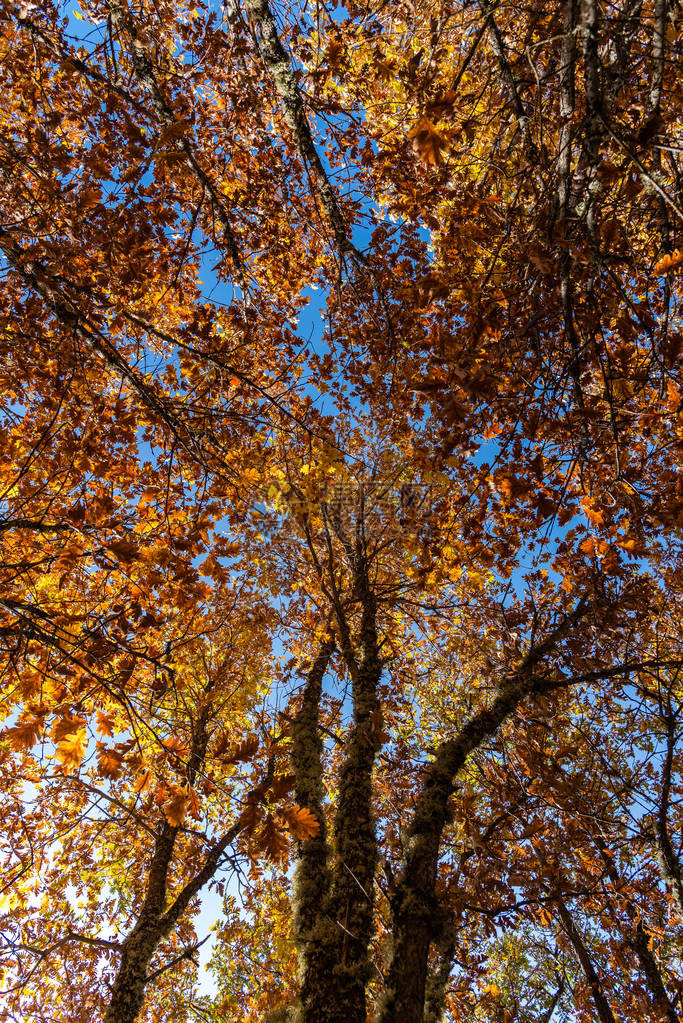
128,991
414,918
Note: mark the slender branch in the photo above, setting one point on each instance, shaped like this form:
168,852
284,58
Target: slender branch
187,953
145,73
668,861
413,910
277,60
602,1006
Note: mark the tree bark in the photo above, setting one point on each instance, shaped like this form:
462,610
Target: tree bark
155,921
335,905
312,876
414,908
276,59
668,861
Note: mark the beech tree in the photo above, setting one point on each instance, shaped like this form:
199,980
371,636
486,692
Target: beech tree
340,511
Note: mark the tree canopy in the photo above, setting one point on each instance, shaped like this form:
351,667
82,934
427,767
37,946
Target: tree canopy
341,511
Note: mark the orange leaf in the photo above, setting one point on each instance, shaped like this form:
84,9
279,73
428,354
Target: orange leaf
427,142
194,804
109,761
175,809
175,745
670,262
594,515
67,726
301,822
142,782
244,751
24,734
105,723
71,750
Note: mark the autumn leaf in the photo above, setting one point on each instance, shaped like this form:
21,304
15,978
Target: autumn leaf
161,792
24,734
105,723
110,762
272,840
468,466
71,750
245,751
250,815
594,546
194,805
177,130
143,781
670,262
67,725
334,53
595,515
427,142
175,808
282,784
173,744
301,822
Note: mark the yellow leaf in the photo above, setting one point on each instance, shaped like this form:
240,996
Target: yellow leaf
142,782
669,262
71,750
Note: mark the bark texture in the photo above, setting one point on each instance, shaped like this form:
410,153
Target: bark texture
312,876
668,860
277,60
334,888
640,941
156,918
415,921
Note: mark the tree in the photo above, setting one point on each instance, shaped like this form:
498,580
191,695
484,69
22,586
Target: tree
403,585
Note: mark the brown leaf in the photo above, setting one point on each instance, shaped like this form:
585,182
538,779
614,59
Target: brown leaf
67,725
24,734
175,809
282,784
427,142
109,761
272,840
105,723
245,751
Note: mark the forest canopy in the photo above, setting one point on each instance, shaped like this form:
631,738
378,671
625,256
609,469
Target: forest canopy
341,508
